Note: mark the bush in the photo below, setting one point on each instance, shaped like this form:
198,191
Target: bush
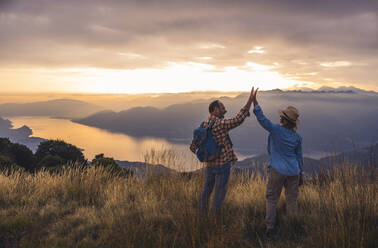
103,161
111,165
59,152
20,155
51,161
5,145
23,156
5,162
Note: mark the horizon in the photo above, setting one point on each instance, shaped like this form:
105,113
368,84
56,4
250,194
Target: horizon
84,93
28,97
156,47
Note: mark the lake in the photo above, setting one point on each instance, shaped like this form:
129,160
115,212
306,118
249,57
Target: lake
117,145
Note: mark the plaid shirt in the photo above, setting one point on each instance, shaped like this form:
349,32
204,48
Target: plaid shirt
220,132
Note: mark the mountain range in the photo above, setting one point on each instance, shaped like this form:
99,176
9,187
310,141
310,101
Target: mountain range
59,108
328,89
330,122
332,119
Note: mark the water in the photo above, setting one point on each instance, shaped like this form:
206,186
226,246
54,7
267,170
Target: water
94,141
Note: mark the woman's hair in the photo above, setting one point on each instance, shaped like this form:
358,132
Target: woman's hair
286,123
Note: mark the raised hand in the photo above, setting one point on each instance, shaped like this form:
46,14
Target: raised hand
251,95
254,97
250,100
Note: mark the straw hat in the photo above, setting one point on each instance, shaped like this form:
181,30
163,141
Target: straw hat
290,113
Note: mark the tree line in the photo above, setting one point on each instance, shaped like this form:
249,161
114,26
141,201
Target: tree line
51,154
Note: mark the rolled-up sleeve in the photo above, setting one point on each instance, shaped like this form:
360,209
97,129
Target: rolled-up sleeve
231,123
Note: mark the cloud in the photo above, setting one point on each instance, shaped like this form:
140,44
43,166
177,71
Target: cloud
257,49
151,34
336,64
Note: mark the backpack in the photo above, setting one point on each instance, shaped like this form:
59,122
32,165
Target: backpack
204,141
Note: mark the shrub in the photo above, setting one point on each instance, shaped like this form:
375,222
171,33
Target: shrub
51,161
104,161
20,155
23,156
58,151
5,162
111,165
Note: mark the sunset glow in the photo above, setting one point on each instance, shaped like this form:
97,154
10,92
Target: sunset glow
169,46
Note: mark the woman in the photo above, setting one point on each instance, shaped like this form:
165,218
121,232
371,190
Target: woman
285,166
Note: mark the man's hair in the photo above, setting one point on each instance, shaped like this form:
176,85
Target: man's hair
213,105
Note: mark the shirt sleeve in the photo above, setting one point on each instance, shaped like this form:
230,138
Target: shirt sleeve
298,152
264,122
228,124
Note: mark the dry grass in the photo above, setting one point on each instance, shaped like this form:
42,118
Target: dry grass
95,208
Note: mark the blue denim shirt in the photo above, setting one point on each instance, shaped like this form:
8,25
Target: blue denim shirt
284,146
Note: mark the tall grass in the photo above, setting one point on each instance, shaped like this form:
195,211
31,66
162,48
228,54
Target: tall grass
171,158
92,207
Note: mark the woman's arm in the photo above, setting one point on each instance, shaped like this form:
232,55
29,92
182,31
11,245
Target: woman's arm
264,122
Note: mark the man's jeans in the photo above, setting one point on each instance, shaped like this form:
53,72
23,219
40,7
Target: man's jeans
218,176
273,193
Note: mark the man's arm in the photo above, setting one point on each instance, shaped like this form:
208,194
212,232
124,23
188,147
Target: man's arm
239,118
232,122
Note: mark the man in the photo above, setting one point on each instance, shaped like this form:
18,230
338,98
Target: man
285,166
217,171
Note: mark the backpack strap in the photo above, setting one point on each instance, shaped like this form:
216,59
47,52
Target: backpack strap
210,127
211,124
202,124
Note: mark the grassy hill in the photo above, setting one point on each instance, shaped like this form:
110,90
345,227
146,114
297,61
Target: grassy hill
94,208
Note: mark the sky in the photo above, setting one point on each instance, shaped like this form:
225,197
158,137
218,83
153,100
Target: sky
155,46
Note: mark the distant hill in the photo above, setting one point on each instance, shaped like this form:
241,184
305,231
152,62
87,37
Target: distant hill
162,100
140,168
258,164
329,121
60,108
365,157
327,89
170,123
20,135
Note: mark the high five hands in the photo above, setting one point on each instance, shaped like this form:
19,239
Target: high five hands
252,98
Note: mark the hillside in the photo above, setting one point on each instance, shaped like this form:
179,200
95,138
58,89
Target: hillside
94,208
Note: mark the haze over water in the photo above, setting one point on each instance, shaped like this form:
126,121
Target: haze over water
95,140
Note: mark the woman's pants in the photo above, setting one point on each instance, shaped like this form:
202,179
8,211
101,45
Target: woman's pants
273,192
